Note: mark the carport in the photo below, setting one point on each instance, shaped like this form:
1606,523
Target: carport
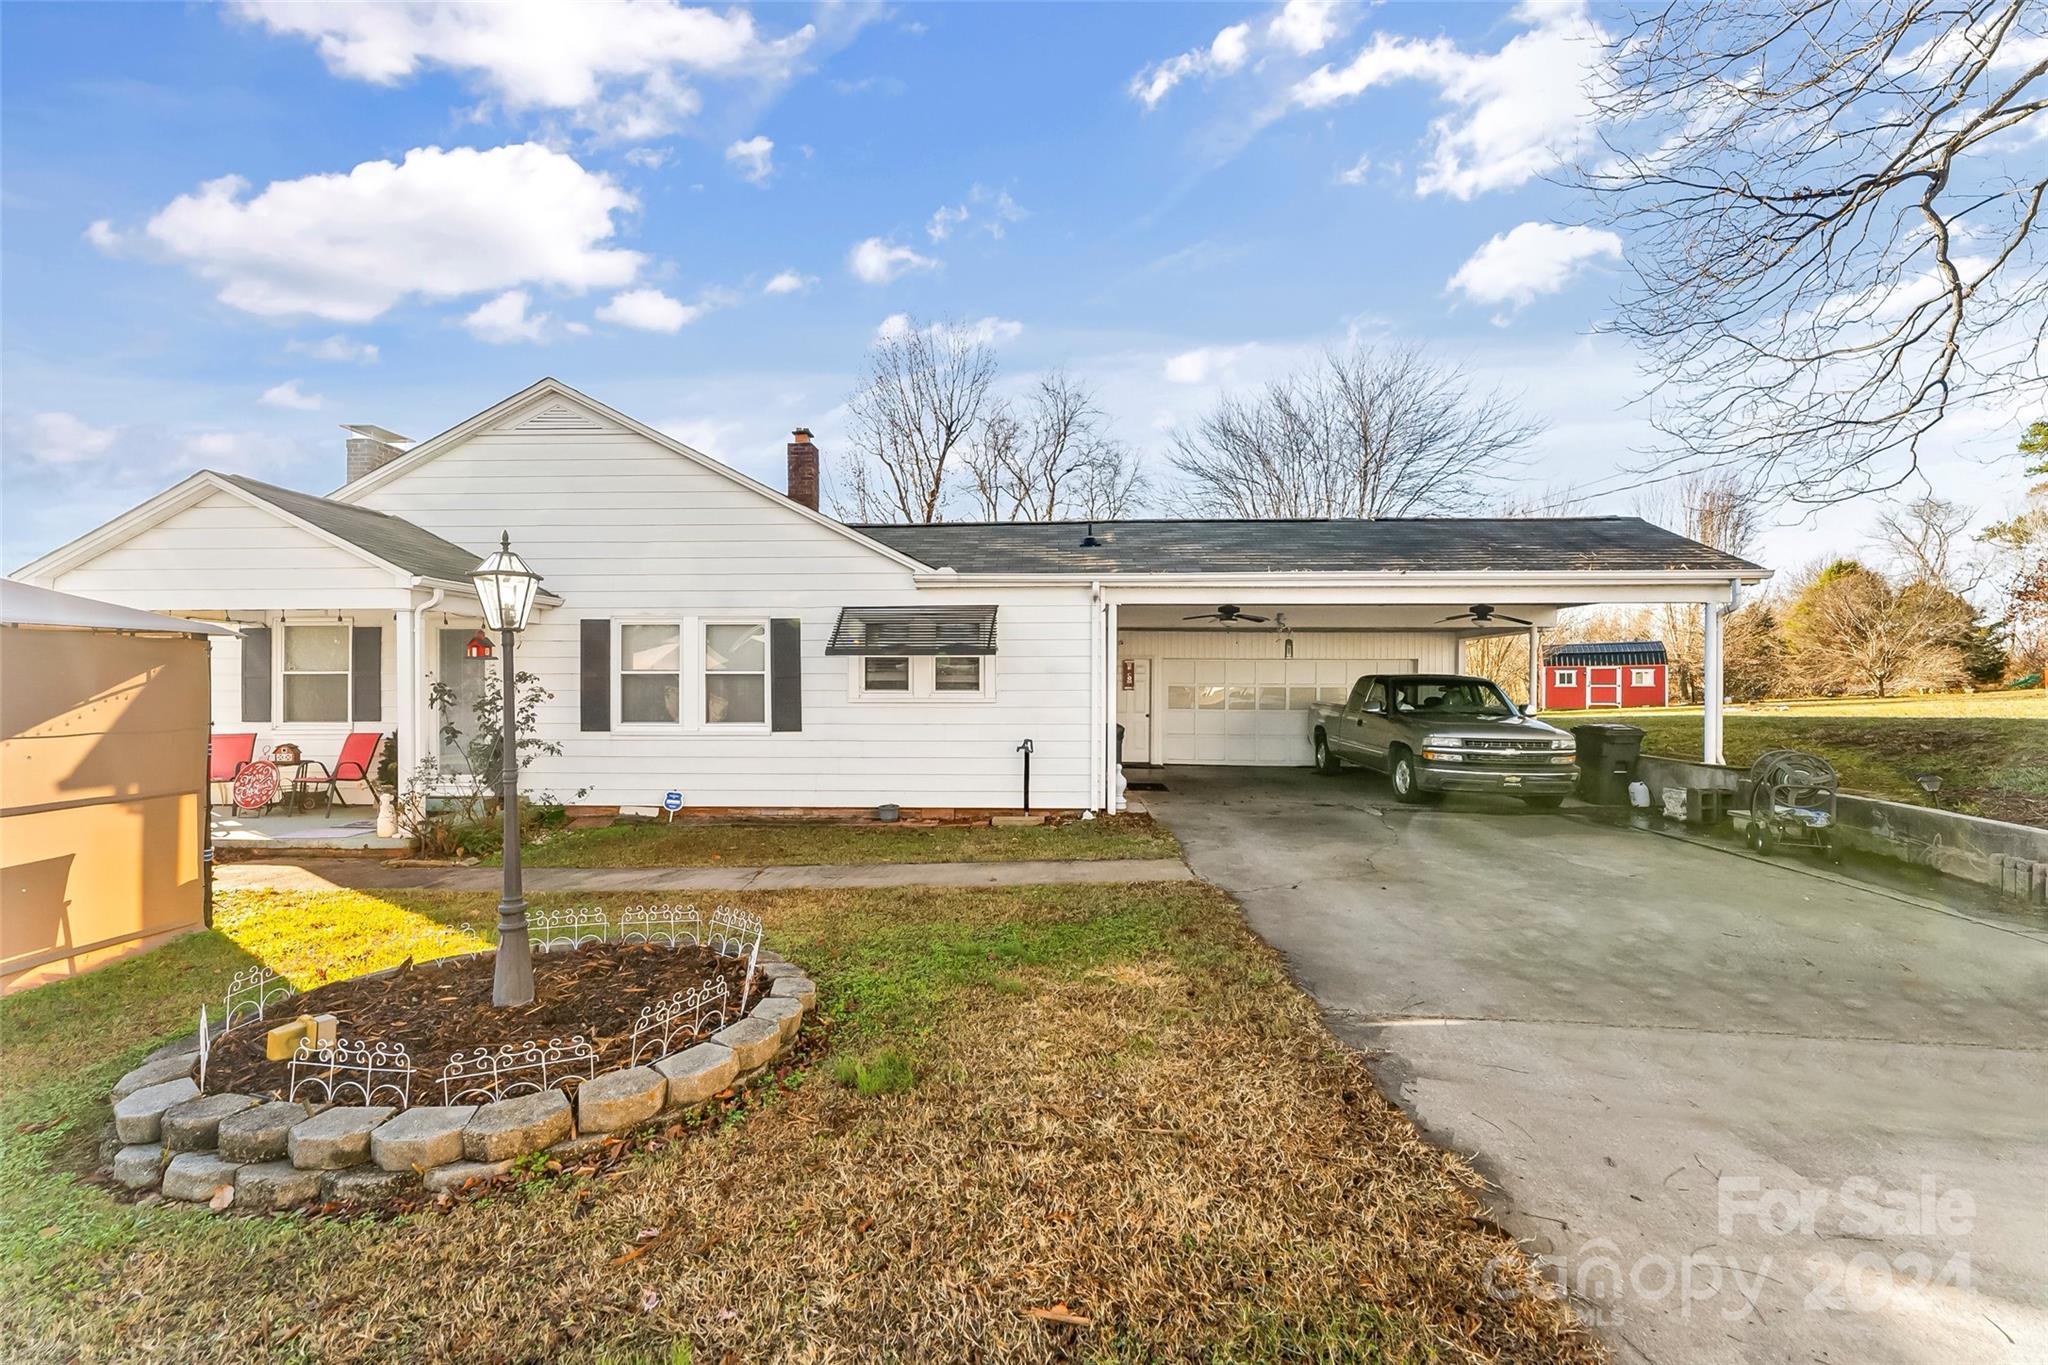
1337,597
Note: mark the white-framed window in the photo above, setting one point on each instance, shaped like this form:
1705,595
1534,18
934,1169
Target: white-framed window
885,673
736,673
650,673
315,674
923,677
1565,677
957,675
1642,677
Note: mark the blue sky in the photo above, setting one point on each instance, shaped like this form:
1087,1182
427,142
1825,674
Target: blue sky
228,230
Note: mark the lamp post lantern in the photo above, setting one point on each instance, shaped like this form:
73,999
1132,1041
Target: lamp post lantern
507,588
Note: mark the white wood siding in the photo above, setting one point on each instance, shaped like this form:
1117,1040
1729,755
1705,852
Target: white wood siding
623,529
321,741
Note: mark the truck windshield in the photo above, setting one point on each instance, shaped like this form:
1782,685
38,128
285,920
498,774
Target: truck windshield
1450,697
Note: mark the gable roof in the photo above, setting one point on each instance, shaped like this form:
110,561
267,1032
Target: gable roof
394,540
1606,652
1335,545
551,387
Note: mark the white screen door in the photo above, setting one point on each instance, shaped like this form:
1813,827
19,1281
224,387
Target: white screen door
1134,708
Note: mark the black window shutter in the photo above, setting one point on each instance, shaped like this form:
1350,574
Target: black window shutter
786,664
366,674
594,684
256,674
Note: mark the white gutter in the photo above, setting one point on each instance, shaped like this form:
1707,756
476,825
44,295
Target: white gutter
418,718
1097,696
1208,582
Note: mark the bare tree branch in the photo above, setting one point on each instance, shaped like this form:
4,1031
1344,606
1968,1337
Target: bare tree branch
1831,215
922,397
1373,432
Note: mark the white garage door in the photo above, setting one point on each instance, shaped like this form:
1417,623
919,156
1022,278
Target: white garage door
1253,711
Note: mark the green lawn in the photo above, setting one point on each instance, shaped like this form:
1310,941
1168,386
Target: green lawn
1104,1103
793,843
1990,749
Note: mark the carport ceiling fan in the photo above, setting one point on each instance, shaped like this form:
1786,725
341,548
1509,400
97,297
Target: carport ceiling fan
1483,615
1227,614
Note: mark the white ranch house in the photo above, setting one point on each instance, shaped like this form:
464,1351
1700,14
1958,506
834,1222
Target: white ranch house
702,631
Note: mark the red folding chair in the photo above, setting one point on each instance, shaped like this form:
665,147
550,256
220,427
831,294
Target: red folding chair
358,758
225,757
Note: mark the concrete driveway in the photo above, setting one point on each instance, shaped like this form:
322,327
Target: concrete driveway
1755,1114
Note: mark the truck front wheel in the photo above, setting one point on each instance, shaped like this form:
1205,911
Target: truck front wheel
1326,762
1406,779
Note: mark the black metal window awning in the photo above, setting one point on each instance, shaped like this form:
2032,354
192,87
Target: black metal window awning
914,630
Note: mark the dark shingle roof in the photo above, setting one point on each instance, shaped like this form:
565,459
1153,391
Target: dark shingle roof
1394,545
392,539
1606,652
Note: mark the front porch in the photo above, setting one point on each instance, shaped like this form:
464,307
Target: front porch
347,829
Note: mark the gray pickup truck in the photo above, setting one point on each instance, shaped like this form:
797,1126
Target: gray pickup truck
1432,733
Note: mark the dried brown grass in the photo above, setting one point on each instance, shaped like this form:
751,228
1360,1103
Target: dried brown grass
1168,1147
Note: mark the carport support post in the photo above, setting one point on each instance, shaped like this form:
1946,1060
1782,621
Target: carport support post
1710,684
1535,668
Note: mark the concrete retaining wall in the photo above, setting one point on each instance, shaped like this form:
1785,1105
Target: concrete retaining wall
2011,858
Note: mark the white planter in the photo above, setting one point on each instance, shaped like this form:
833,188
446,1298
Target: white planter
387,816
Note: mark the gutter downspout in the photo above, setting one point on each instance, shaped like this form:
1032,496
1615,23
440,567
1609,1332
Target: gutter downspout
418,709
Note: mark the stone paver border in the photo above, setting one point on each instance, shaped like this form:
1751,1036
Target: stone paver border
344,1153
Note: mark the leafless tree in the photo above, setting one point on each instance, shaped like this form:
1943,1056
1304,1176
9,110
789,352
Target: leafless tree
1372,432
922,397
1714,508
1055,460
1927,539
1831,213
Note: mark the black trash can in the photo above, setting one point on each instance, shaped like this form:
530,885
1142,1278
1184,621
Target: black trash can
1607,760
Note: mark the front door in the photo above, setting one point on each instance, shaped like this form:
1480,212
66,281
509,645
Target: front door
1603,687
1134,708
465,677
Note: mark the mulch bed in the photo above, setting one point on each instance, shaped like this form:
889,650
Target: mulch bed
437,1009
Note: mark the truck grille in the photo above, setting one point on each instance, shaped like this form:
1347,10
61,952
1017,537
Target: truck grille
1518,746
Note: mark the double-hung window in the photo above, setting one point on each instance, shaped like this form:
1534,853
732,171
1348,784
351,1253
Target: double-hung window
736,673
650,674
316,674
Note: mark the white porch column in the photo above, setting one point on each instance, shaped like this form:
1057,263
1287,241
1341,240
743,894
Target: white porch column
1110,683
1710,684
410,689
1535,668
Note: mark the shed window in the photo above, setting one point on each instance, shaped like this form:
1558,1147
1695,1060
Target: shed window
1642,677
736,673
650,674
1565,677
316,674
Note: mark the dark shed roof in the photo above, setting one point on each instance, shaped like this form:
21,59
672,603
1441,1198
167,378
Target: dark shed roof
1606,652
392,539
1418,545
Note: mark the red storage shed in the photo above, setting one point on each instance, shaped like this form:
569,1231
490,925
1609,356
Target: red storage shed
1618,673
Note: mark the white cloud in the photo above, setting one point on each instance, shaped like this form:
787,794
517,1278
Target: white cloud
235,452
621,71
336,348
1226,53
992,211
1516,266
789,282
647,158
754,159
101,234
649,310
944,219
288,395
1304,26
1514,114
875,261
59,438
504,319
1204,364
576,329
989,331
437,225
1356,172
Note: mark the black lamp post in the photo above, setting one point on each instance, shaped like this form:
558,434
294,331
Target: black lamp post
507,589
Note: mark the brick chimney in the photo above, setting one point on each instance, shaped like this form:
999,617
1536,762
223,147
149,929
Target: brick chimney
803,468
370,448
